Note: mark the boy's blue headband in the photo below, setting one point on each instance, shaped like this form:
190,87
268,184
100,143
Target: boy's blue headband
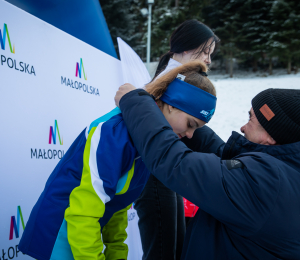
190,99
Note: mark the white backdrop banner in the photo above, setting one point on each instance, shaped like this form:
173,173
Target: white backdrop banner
52,86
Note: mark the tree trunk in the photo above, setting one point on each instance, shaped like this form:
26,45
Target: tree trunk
296,70
176,3
289,66
226,65
221,64
270,66
255,65
231,65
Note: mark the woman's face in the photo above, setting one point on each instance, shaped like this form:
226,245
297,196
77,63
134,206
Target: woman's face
182,123
197,54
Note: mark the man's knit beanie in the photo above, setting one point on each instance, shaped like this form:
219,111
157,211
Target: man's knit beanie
278,111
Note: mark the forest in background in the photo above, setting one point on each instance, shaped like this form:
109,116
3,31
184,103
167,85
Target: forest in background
255,34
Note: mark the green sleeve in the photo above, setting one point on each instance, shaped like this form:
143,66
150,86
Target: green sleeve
86,208
99,185
114,235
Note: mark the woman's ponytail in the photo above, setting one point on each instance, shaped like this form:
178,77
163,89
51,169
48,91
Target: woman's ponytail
195,72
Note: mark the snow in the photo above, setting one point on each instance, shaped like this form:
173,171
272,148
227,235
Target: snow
234,99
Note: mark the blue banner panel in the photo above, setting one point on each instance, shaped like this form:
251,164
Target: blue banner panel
82,19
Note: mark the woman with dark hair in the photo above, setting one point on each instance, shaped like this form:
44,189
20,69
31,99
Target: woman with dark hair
192,40
161,210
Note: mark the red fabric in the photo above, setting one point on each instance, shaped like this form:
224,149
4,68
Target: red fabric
190,209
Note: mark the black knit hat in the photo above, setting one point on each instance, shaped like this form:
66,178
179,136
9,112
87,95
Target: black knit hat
278,111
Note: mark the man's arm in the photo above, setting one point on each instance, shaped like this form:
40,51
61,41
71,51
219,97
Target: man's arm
205,140
241,198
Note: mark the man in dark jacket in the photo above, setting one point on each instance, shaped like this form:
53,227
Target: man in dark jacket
247,190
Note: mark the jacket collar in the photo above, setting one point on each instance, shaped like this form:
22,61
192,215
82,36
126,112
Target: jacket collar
238,144
172,64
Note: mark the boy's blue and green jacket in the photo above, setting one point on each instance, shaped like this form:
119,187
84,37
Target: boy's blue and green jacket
87,195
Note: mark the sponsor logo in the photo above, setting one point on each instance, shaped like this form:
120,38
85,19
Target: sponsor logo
21,66
131,215
204,112
76,84
80,69
10,62
47,154
234,164
13,251
50,153
208,114
52,134
181,77
267,112
3,36
15,225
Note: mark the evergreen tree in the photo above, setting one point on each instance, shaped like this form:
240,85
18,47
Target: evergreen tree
167,16
253,26
285,33
222,16
125,20
250,30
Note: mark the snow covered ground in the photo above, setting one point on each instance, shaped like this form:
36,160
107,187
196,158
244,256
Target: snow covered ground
235,95
234,99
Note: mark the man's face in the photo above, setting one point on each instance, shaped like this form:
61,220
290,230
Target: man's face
255,133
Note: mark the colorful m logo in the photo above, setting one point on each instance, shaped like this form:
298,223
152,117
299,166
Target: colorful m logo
52,134
3,39
16,225
80,69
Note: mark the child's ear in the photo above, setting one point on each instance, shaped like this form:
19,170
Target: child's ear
171,108
159,103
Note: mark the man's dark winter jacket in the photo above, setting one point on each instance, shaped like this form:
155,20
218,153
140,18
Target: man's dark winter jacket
248,194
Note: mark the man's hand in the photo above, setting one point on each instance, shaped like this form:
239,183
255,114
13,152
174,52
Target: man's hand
124,89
